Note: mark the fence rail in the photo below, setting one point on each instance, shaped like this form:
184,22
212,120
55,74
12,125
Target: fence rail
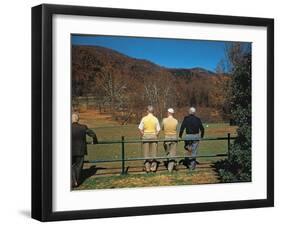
161,140
123,159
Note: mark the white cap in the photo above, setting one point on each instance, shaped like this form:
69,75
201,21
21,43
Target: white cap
171,110
192,110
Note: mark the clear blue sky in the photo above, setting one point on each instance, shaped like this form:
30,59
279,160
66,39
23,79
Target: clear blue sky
171,53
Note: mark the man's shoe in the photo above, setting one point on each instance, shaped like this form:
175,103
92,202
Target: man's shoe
153,167
192,165
146,167
171,166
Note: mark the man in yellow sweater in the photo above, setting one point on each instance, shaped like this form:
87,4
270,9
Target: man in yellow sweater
149,128
169,125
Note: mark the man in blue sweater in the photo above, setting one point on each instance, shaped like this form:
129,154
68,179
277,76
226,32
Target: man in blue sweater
194,130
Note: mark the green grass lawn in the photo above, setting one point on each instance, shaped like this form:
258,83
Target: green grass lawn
130,132
107,175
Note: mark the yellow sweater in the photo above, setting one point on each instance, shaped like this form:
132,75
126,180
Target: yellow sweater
149,124
170,126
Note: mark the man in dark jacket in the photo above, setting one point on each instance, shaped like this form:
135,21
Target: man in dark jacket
79,147
192,126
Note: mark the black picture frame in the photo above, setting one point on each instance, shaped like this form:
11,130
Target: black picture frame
42,108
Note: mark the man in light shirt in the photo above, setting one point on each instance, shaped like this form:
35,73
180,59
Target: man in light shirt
169,125
149,128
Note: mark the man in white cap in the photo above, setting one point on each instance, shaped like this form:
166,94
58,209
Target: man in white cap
149,128
169,125
192,126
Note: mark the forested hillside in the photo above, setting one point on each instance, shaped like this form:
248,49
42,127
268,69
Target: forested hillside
123,86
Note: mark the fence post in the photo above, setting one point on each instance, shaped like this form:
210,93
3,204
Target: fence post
123,155
228,145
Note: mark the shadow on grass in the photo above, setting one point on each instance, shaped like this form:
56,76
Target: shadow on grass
86,173
187,162
104,171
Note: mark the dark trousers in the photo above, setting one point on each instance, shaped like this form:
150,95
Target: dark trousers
76,169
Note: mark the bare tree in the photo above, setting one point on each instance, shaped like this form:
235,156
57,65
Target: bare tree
159,92
234,53
113,86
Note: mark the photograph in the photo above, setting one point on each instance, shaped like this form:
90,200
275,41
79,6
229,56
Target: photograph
148,111
142,112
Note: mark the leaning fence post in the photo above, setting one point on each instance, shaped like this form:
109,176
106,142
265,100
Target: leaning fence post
123,154
228,145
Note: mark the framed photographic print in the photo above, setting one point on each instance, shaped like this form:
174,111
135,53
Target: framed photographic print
145,112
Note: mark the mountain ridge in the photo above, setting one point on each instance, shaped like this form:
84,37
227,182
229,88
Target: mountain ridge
114,53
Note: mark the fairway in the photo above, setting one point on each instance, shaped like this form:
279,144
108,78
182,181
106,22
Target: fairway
130,132
109,130
107,175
